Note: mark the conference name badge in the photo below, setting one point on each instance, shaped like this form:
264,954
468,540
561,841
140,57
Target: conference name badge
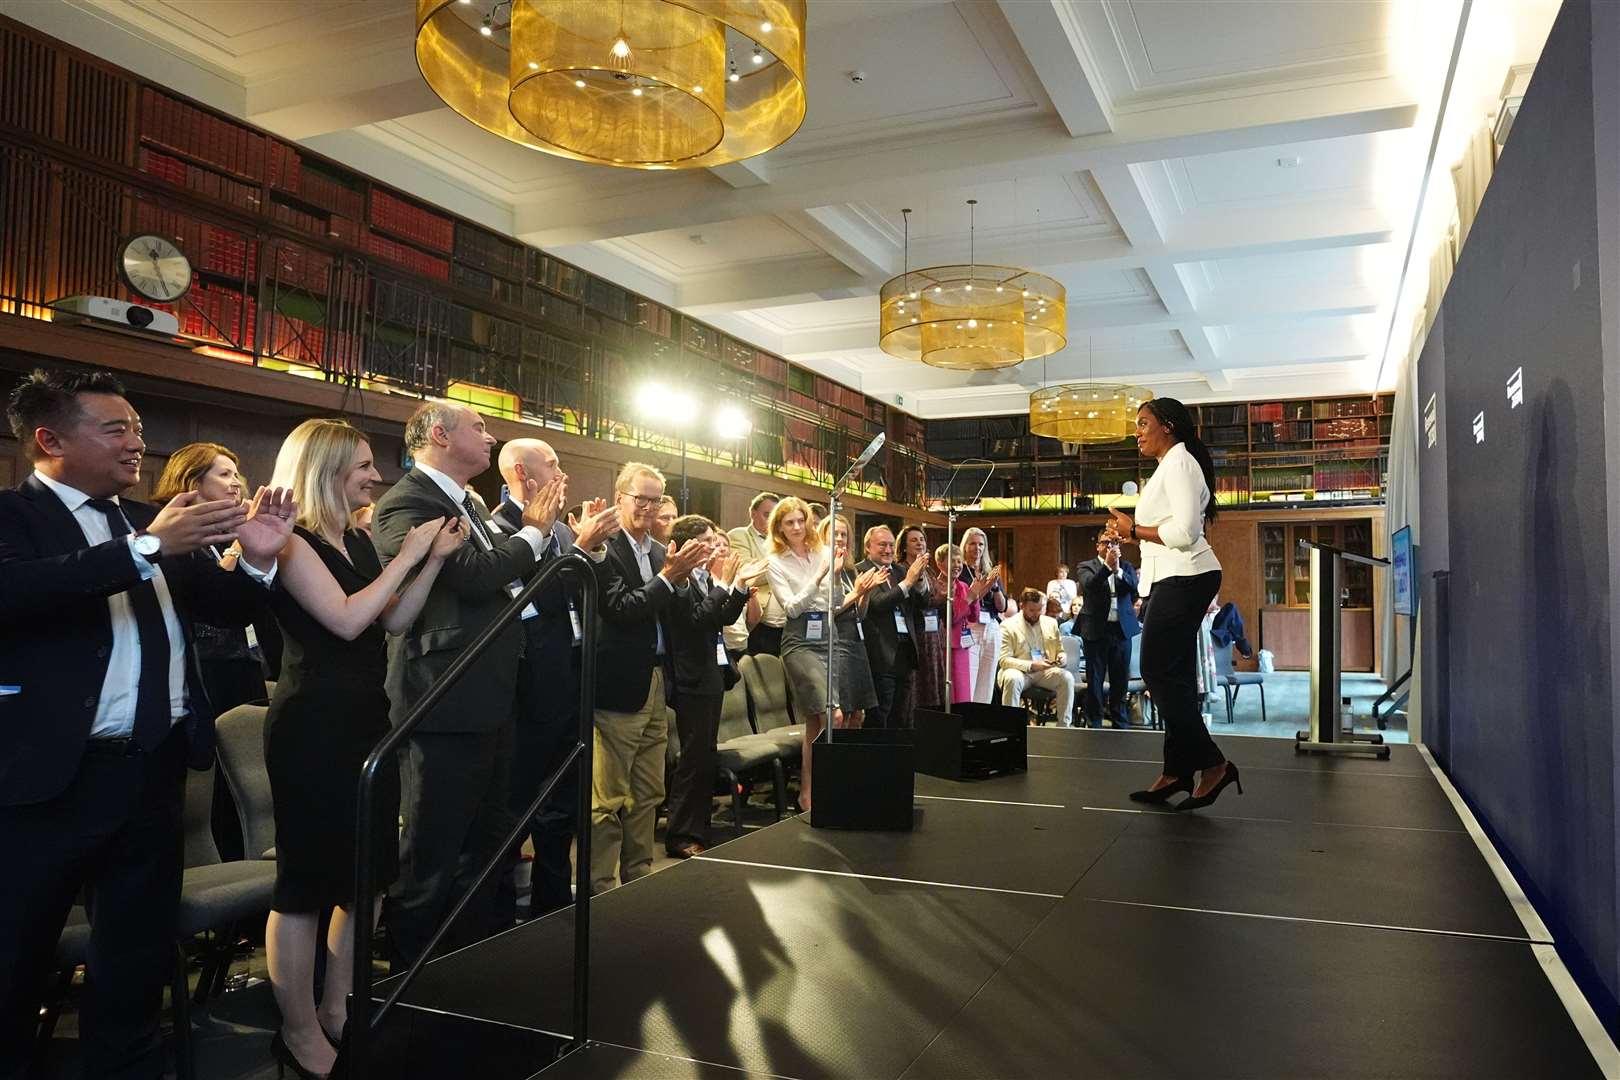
815,626
900,623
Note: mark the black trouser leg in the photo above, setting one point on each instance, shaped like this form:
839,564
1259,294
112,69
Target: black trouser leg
878,715
116,831
697,718
1119,667
900,706
1097,666
1172,617
547,727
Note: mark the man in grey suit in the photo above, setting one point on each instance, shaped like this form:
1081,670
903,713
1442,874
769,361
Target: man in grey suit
454,770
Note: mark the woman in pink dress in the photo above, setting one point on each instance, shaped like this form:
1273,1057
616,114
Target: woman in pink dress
964,610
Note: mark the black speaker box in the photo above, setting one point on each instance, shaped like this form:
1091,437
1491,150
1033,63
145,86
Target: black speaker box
972,741
863,779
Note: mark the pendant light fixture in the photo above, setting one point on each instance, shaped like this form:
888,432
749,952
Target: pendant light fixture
970,317
1089,412
641,84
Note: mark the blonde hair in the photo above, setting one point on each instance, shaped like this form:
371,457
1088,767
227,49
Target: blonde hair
773,528
943,556
825,530
311,464
984,565
631,470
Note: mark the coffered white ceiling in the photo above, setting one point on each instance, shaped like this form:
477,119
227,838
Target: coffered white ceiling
1225,187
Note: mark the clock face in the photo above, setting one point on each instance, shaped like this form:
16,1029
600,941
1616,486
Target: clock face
156,269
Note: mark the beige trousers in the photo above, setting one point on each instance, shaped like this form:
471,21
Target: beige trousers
627,784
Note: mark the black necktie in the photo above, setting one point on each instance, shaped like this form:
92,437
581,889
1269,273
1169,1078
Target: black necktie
471,508
152,711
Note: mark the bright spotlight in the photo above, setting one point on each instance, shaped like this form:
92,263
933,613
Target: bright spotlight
732,423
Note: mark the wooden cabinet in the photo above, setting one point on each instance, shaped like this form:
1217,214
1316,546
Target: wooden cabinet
1285,566
1286,631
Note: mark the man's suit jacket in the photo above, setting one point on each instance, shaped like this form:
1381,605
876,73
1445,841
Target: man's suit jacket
695,619
1018,639
56,637
628,613
549,637
888,650
1093,579
468,593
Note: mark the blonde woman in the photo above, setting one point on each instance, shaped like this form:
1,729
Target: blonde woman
984,582
805,582
329,709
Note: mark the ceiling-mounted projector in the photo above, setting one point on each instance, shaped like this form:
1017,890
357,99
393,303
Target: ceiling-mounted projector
119,313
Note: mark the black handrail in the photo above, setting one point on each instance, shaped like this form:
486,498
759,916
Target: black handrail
362,1024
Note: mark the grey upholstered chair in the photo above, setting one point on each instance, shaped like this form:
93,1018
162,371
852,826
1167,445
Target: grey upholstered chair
239,735
1232,681
766,680
742,754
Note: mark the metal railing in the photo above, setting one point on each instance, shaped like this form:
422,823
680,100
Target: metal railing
363,1023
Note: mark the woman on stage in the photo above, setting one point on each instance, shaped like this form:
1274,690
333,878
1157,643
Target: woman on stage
1180,575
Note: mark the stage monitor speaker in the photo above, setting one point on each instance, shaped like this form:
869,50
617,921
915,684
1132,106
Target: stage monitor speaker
863,779
971,742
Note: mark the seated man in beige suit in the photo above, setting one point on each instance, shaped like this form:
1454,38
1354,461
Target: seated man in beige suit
1032,655
751,542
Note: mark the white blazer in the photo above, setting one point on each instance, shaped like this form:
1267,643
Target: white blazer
1173,502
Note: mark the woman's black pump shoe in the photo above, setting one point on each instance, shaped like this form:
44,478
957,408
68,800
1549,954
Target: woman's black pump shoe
1161,795
1192,802
286,1060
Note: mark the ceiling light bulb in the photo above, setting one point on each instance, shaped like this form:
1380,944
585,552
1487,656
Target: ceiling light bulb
533,66
580,83
486,29
914,296
939,288
759,57
970,287
766,27
998,288
914,318
621,48
636,92
697,89
1026,294
973,324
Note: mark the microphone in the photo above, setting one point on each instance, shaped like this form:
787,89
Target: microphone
870,452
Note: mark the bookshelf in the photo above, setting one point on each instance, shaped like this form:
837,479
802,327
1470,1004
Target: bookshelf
1273,453
311,268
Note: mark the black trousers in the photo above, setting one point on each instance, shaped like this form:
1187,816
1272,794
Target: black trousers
1170,620
691,792
546,728
894,698
453,796
116,833
1107,656
765,639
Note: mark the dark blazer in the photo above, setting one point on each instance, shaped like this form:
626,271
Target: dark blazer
695,620
888,650
627,617
551,635
56,636
468,593
1092,580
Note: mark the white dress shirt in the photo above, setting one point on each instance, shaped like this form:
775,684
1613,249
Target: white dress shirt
536,539
794,581
643,552
1065,589
115,710
1173,501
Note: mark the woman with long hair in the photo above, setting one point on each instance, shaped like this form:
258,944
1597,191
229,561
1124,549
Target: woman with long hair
984,580
329,709
928,691
1180,575
812,576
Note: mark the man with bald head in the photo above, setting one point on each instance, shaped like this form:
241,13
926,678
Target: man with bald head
547,720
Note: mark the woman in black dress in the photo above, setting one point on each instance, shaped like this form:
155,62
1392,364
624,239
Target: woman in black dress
333,602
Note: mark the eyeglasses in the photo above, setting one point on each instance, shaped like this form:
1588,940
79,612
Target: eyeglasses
645,502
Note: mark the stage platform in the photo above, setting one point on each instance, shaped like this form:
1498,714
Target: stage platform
1338,919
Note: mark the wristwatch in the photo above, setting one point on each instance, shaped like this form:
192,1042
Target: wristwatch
1133,530
149,546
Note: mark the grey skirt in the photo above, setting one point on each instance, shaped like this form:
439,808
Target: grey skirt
806,664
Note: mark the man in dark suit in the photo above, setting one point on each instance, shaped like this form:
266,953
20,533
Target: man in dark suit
712,598
454,769
101,708
891,629
1107,624
547,720
633,681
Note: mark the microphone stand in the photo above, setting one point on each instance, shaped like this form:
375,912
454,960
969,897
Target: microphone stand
950,544
834,572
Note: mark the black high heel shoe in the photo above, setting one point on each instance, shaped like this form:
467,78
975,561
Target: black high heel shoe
1162,795
1198,802
285,1059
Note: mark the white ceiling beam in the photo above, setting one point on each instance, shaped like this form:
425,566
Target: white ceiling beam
1049,33
303,101
751,172
772,283
900,170
866,246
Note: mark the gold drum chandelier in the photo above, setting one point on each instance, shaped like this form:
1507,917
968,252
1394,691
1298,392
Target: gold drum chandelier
970,317
641,84
1086,413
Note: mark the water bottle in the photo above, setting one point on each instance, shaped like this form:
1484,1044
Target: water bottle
1347,719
